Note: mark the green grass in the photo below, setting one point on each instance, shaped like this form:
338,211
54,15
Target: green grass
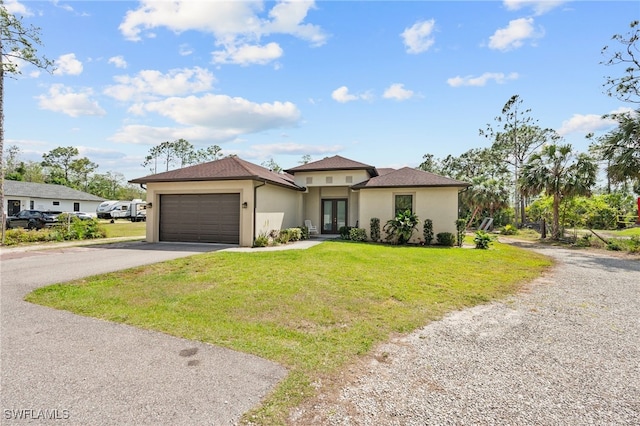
629,232
314,311
123,228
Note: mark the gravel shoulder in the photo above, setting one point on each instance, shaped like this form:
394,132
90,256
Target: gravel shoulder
566,350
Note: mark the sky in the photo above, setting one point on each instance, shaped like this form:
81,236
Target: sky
383,83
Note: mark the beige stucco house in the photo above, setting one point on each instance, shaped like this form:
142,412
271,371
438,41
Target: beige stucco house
232,200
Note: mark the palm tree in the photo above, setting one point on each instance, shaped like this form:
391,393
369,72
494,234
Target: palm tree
621,148
557,172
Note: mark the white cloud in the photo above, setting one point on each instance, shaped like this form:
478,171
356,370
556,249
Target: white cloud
68,65
418,38
287,17
342,95
149,84
16,8
289,148
514,35
482,80
235,25
588,123
185,50
539,7
221,111
118,61
65,100
246,54
398,92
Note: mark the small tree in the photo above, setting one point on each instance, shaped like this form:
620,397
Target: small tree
427,231
375,229
461,227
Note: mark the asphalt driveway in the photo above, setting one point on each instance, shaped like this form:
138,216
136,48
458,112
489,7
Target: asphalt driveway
64,368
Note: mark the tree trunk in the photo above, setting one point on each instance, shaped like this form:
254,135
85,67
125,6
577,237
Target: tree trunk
556,217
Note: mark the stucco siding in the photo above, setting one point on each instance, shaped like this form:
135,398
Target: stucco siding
330,178
278,208
438,204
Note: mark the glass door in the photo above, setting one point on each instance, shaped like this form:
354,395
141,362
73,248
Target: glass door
334,215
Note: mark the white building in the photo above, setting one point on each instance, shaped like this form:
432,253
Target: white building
43,196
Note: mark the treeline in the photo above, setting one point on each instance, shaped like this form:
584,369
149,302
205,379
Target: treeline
64,166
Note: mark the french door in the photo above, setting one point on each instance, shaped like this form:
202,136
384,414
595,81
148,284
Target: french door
334,215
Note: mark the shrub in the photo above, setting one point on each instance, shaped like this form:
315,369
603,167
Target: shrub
446,239
344,232
509,229
427,231
482,239
304,233
375,229
584,241
400,229
283,237
461,227
262,240
295,234
634,244
358,234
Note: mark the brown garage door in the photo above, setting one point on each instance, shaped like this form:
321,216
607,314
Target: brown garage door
202,218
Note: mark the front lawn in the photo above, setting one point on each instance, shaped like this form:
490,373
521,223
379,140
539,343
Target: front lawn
314,311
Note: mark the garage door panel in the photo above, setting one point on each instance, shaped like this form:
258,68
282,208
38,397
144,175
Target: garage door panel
213,218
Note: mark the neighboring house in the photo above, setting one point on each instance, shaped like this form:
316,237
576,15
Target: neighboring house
232,200
43,196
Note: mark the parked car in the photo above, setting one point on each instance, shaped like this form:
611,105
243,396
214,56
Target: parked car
81,215
33,219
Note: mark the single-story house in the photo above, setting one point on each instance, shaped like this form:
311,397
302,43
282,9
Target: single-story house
43,196
233,201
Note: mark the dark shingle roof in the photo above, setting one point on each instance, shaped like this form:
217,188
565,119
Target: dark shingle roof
408,177
14,188
333,163
229,168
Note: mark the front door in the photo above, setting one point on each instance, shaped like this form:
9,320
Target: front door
334,215
14,207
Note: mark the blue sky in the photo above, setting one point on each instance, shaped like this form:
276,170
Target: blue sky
379,82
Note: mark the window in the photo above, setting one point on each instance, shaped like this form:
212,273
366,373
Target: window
309,180
76,207
329,179
349,179
31,204
56,203
403,202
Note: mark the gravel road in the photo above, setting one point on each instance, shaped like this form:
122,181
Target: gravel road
566,351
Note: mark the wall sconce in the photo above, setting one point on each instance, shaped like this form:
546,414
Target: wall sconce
245,205
149,205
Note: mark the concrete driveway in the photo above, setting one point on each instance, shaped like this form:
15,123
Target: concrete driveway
83,371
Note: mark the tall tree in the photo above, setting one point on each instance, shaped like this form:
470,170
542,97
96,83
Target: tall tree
627,87
58,161
558,172
515,139
81,168
211,153
620,148
17,45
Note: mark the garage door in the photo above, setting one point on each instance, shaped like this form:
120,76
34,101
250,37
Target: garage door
202,218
